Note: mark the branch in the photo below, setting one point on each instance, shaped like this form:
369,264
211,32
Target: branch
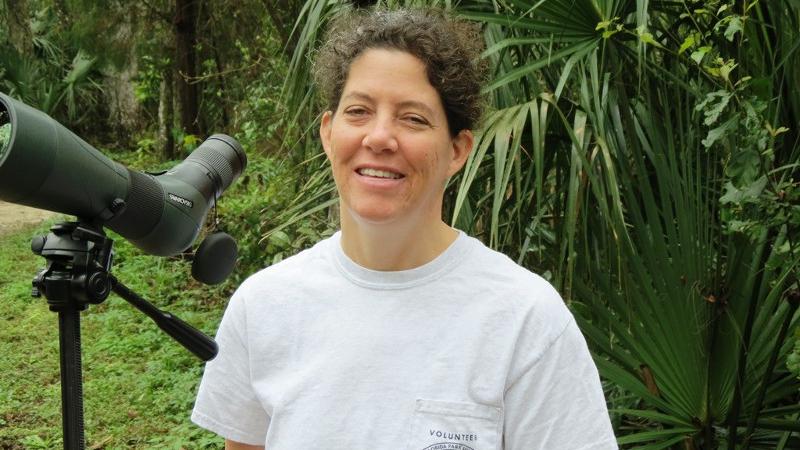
195,80
165,17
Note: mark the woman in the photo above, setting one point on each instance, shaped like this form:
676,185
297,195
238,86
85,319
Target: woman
400,332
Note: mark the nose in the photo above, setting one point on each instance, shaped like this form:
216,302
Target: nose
381,136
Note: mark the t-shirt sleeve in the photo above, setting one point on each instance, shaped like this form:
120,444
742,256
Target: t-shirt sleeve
557,402
226,401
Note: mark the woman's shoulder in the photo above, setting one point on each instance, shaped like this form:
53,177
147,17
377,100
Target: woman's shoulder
301,266
503,273
515,287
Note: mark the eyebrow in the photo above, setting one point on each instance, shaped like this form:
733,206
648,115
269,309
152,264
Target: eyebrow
358,95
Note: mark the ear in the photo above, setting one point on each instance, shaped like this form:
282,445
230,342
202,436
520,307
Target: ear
462,147
325,132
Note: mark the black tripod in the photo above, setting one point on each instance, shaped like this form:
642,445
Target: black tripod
79,257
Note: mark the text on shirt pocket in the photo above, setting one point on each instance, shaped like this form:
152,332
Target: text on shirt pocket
442,425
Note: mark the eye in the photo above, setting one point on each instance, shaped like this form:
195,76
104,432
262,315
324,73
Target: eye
355,111
416,120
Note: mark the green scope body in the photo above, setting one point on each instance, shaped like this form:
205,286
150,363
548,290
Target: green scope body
46,166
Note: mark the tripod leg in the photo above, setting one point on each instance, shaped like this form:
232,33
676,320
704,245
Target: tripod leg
69,325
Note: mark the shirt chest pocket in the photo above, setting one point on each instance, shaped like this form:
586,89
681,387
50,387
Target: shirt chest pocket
439,425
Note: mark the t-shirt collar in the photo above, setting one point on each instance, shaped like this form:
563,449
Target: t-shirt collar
400,279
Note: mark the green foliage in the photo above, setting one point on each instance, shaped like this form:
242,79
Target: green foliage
757,194
303,220
147,85
188,142
260,117
80,51
59,79
793,360
5,136
260,193
672,184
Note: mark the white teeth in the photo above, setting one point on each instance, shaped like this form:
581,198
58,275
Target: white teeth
379,173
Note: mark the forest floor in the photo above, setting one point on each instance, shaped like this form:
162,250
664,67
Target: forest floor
14,217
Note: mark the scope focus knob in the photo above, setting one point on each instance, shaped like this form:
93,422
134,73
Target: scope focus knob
37,244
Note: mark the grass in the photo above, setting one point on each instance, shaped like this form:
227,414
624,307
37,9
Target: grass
139,385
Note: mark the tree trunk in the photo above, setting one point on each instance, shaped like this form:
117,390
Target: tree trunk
125,112
166,115
185,28
17,23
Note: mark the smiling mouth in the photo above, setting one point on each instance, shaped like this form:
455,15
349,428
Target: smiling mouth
375,173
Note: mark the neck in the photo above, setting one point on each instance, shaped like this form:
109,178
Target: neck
394,247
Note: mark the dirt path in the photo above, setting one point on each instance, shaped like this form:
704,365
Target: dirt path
13,216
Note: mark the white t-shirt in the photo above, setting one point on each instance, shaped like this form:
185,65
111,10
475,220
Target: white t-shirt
467,352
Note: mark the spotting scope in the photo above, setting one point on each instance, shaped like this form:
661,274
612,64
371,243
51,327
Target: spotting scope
46,166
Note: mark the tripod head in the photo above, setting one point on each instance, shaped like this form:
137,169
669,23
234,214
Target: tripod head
79,258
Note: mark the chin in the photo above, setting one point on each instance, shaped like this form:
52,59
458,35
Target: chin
375,219
373,216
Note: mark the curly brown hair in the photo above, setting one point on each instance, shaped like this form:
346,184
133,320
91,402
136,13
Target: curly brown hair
450,49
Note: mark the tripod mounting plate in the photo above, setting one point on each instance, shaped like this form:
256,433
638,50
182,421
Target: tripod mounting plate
78,259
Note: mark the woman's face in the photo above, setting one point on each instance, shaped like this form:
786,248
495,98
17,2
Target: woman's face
388,142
